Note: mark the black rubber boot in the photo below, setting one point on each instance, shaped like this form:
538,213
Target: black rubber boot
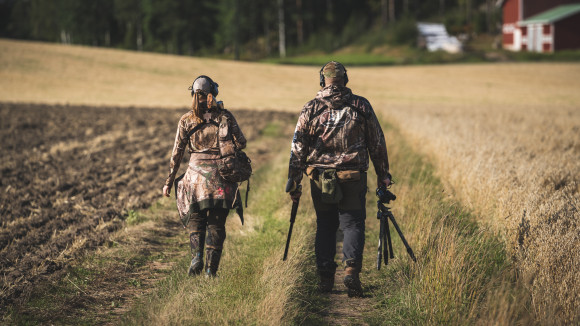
352,280
196,241
326,282
212,262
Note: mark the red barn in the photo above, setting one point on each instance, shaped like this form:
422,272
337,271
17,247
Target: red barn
540,25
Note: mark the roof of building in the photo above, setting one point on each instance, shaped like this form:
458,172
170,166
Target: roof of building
553,15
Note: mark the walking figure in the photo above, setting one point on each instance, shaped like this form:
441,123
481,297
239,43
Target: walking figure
335,134
204,197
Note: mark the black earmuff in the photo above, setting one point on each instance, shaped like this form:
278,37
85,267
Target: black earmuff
213,85
323,83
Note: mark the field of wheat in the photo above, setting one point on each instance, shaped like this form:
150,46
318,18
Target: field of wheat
505,138
506,141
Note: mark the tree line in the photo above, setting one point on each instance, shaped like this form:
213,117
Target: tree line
256,28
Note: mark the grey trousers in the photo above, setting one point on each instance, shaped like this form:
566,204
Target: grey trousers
349,215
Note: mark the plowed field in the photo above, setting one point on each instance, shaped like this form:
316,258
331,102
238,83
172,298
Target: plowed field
70,175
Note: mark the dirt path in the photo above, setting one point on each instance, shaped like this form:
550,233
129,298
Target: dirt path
343,310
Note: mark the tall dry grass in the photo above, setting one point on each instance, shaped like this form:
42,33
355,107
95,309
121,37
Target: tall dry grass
463,275
504,137
506,141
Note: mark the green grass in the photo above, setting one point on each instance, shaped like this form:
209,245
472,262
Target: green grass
375,49
253,284
462,276
134,217
409,56
273,129
458,262
355,59
460,266
75,299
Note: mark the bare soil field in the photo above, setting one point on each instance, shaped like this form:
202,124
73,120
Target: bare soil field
504,137
71,174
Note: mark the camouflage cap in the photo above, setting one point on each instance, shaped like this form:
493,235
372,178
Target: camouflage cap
333,69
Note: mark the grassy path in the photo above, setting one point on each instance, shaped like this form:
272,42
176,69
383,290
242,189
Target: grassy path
462,275
139,277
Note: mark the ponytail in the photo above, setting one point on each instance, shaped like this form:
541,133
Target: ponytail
196,108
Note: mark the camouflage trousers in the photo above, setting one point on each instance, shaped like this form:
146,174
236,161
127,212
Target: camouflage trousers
207,229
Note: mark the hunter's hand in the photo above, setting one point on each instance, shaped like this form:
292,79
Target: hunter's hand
386,182
166,191
295,196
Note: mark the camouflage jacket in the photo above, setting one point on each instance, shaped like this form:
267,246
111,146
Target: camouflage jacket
336,130
204,140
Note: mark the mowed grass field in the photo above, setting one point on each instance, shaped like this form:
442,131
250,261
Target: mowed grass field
504,138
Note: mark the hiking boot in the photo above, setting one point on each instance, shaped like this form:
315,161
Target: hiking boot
326,282
196,265
352,282
196,242
212,262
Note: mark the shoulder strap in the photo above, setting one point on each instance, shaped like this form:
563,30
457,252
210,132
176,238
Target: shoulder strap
198,126
224,120
224,131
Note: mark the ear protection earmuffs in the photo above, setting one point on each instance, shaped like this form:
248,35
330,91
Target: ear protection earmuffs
323,83
213,86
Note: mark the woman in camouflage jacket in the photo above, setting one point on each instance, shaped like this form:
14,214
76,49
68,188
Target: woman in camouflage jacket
204,198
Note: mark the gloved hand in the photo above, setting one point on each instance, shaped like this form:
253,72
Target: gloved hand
295,190
295,195
387,181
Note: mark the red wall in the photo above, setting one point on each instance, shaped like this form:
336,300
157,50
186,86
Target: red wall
546,47
547,30
567,33
508,38
510,11
534,7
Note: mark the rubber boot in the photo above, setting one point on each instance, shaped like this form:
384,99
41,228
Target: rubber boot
326,282
352,280
196,241
212,262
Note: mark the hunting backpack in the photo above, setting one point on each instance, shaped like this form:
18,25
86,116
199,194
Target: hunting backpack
234,165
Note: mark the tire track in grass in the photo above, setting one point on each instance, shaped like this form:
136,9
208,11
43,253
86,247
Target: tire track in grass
463,274
461,269
101,279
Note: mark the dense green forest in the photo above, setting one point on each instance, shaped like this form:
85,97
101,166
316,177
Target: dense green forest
246,29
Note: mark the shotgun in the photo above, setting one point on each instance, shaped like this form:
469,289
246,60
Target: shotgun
292,219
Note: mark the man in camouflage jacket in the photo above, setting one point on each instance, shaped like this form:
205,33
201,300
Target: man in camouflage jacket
336,133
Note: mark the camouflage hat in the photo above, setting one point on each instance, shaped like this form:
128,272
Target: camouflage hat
333,69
